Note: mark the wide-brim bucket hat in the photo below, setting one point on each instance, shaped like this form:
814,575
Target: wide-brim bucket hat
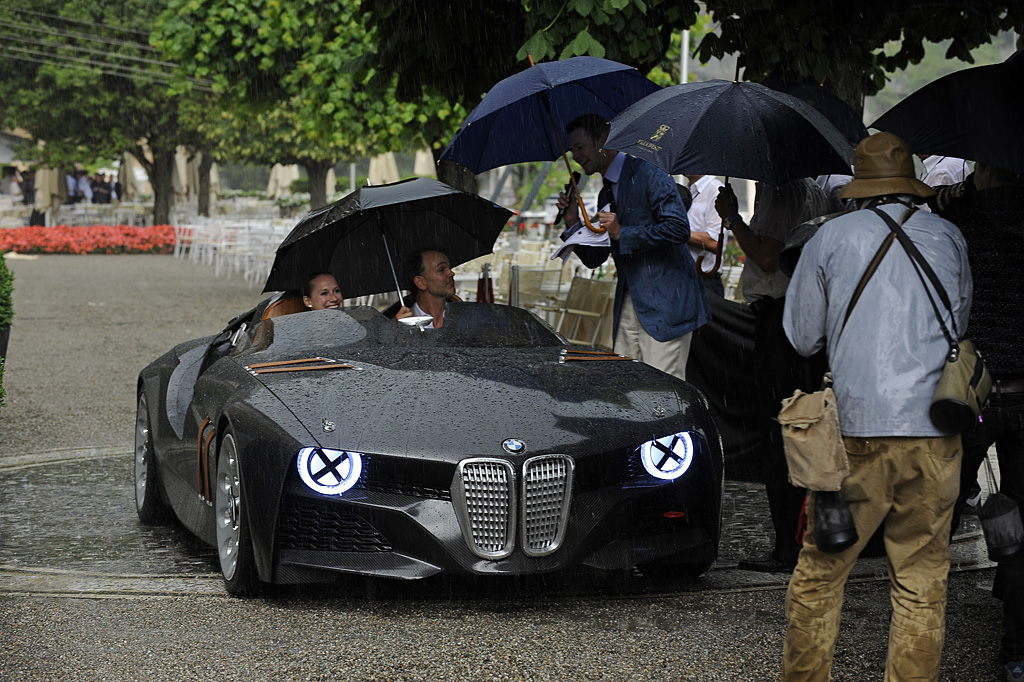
884,165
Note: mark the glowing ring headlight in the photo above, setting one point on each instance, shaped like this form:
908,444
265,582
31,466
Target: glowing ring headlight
330,472
669,457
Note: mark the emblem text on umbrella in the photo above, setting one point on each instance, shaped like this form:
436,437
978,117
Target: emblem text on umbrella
660,133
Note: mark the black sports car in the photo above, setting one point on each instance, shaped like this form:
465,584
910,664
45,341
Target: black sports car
315,443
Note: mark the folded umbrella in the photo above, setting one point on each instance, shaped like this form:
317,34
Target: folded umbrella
361,237
743,130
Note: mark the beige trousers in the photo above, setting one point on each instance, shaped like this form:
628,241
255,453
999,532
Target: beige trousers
632,340
909,486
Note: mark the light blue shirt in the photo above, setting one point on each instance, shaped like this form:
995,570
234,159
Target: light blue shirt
888,360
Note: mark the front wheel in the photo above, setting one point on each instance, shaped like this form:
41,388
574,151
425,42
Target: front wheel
150,507
234,542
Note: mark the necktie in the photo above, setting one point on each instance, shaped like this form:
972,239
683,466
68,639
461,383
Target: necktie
606,197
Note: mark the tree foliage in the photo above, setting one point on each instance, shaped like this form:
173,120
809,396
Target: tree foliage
841,44
457,50
635,32
293,80
81,77
838,44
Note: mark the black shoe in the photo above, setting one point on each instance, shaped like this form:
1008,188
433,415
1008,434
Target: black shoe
767,565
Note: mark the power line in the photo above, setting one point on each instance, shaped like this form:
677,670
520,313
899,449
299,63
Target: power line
46,43
152,76
113,58
127,70
90,24
78,36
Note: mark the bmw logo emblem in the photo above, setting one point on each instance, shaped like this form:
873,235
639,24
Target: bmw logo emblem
513,446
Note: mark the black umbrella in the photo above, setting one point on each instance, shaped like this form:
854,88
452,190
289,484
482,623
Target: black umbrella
360,238
743,130
970,114
841,114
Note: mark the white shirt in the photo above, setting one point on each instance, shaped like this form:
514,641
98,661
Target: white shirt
943,170
84,188
417,311
704,218
777,212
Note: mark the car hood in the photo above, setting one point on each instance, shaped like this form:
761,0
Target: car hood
444,403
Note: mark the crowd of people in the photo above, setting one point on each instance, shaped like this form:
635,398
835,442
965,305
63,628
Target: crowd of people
906,482
98,189
909,480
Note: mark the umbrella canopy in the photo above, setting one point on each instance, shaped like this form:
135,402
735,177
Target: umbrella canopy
842,116
743,130
358,238
513,123
971,114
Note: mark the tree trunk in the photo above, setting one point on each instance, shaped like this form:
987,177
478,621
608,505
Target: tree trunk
205,164
456,175
317,172
163,190
847,81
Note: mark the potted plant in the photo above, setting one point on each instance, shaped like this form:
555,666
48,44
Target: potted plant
6,314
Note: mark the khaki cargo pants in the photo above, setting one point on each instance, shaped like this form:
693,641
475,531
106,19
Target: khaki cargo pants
909,485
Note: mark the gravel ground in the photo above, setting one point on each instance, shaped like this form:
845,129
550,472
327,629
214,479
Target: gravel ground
85,325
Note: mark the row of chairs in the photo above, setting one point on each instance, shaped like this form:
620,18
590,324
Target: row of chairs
232,246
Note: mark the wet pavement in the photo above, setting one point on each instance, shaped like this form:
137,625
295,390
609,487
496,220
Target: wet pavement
88,593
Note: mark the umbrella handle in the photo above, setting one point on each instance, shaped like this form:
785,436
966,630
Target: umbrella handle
719,253
718,259
565,157
579,201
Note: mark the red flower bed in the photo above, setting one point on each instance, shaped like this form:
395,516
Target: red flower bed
91,239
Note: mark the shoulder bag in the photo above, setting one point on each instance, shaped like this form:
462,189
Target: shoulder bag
965,383
815,454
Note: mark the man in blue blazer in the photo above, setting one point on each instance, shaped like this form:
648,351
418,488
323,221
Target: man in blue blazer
659,299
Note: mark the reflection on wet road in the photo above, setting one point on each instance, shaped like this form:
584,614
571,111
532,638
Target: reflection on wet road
68,528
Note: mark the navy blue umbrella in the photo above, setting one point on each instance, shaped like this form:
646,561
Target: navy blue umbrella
524,116
970,114
742,130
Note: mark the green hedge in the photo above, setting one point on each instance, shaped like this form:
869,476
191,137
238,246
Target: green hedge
6,293
6,310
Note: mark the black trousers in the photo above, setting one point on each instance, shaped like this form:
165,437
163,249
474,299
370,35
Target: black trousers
1002,424
714,285
779,371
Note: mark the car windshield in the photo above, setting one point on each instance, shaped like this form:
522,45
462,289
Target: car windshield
484,325
467,325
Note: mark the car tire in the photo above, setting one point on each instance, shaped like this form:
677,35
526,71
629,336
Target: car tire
234,542
149,504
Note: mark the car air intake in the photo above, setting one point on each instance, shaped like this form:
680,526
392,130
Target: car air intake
547,485
483,494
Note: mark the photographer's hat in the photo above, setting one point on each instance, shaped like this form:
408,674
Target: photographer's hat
883,165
